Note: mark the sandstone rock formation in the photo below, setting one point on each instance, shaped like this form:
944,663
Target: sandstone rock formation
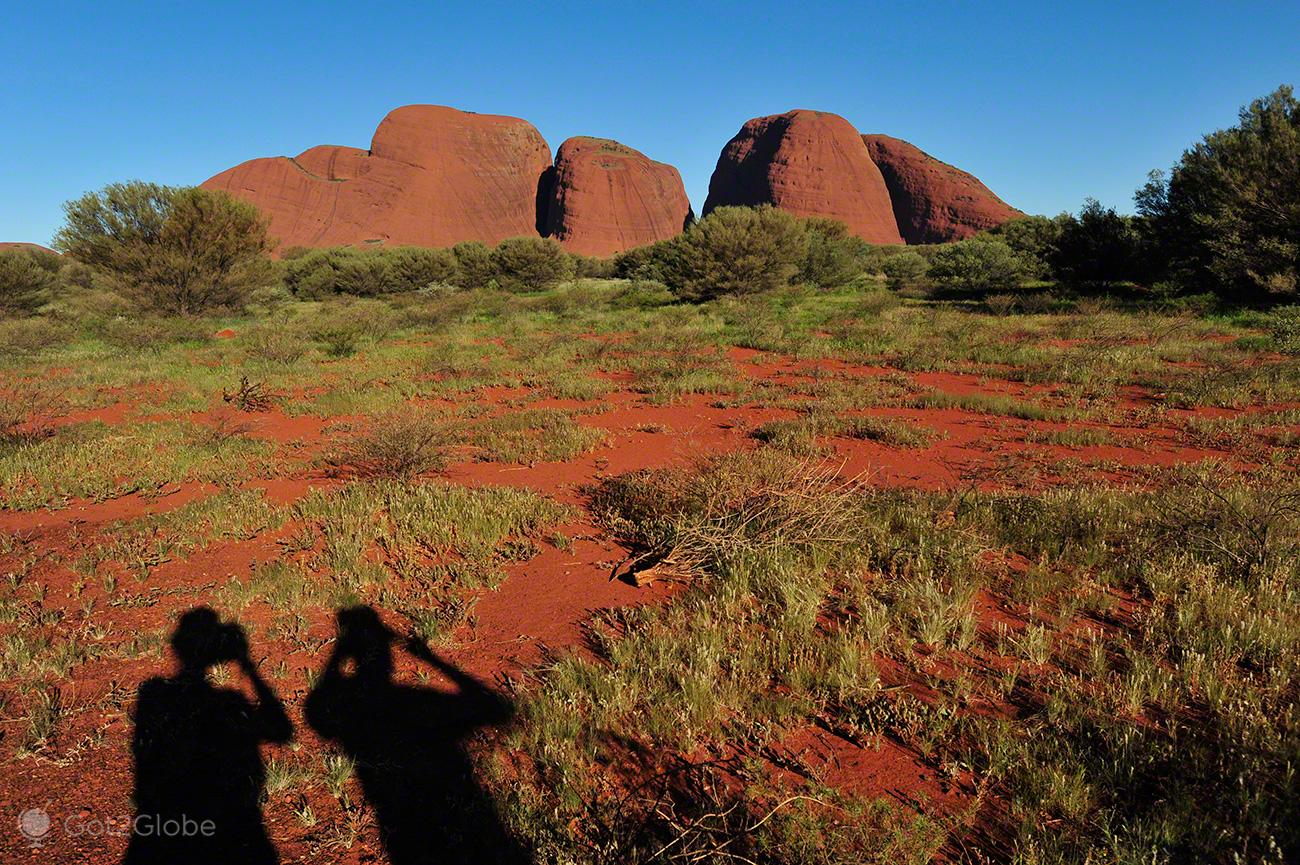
604,197
934,202
810,163
34,247
433,176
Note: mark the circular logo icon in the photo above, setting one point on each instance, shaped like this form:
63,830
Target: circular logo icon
35,824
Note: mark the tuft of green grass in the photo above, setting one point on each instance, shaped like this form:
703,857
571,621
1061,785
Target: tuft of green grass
799,436
534,435
98,462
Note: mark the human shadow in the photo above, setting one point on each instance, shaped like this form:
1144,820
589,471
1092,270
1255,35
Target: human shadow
408,746
198,763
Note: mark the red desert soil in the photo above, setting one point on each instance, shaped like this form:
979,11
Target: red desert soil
543,602
934,202
605,197
811,163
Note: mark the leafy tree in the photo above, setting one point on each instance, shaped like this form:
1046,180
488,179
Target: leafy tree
1227,215
978,264
904,268
474,264
26,278
832,256
650,262
179,250
592,267
1034,239
530,263
411,268
735,250
1099,245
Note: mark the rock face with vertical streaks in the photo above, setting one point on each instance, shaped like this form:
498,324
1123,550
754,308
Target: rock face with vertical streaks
810,163
934,202
604,197
433,176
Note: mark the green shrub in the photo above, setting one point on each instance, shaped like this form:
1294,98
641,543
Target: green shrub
1035,240
736,250
362,274
274,342
980,264
1098,246
176,250
1284,324
904,269
313,274
411,268
25,280
474,264
319,273
590,267
650,262
642,294
152,332
31,336
832,256
530,264
400,444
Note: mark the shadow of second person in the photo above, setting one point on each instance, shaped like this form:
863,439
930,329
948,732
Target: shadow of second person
198,765
408,745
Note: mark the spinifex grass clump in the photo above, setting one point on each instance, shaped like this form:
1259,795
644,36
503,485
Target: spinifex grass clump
745,652
416,547
97,461
807,583
399,444
801,436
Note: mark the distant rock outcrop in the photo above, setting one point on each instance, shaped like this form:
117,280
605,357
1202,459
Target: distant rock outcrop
604,197
934,202
433,176
34,247
811,163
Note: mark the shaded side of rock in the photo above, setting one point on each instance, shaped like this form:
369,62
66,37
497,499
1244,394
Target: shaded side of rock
604,197
810,163
934,202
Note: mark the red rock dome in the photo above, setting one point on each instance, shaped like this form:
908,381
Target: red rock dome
32,247
433,176
934,202
810,163
604,197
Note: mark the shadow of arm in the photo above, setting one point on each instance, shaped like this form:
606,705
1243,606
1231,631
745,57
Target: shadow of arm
272,721
491,705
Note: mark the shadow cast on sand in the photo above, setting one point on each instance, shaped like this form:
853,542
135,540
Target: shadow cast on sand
408,745
197,748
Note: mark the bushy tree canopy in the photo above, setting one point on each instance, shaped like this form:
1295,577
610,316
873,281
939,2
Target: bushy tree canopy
735,250
26,277
178,250
978,264
1227,215
832,256
530,263
1099,245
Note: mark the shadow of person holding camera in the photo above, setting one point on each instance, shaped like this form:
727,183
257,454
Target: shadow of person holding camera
198,762
408,745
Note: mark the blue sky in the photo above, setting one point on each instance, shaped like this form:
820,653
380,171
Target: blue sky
1046,106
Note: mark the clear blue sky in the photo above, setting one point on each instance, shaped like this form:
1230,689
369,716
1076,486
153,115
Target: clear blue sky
1045,105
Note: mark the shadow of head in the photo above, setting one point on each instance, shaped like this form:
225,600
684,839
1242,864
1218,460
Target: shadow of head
364,643
202,640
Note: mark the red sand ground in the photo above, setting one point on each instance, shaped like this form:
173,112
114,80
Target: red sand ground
543,603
